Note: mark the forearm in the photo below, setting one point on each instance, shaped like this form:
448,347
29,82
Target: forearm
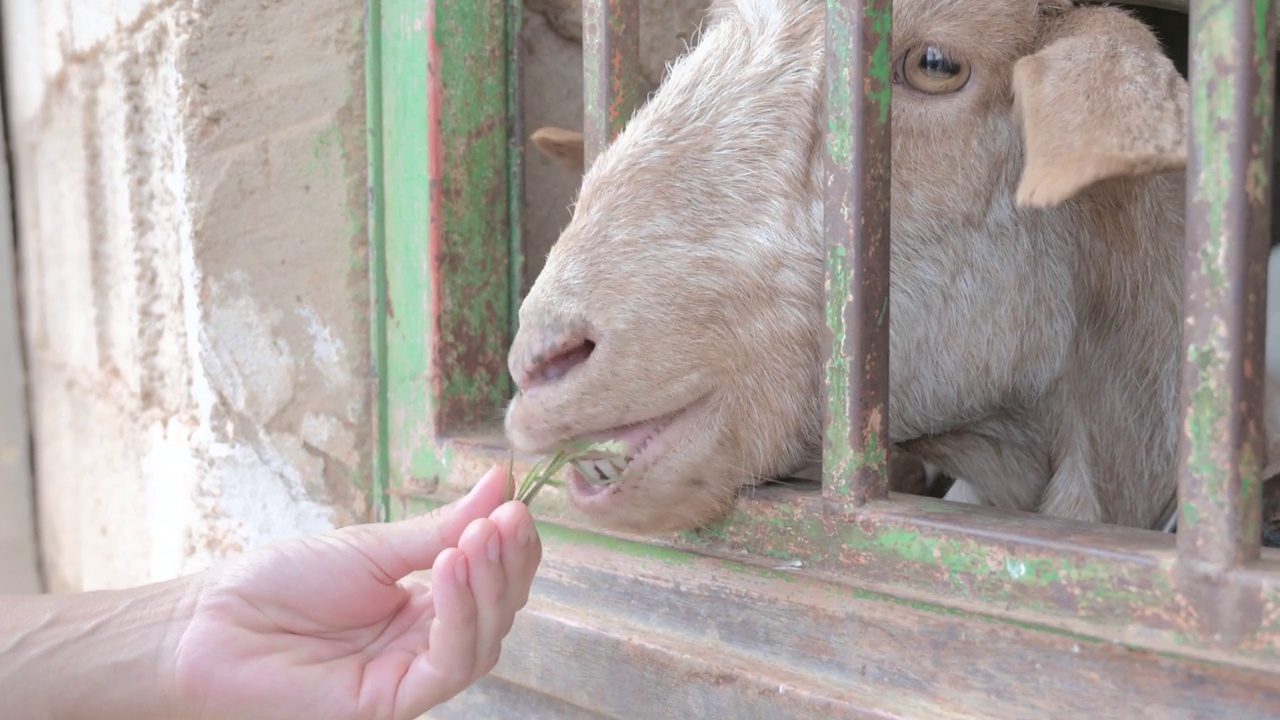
95,655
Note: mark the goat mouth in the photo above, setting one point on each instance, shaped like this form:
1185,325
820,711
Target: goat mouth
646,441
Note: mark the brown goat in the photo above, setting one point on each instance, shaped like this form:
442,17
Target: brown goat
1037,236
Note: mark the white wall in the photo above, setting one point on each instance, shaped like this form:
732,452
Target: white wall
191,194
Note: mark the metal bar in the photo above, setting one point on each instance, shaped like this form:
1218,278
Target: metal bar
403,191
857,160
440,233
515,166
611,70
1113,583
634,627
1232,63
470,211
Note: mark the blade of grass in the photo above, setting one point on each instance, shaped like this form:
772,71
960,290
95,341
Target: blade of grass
544,472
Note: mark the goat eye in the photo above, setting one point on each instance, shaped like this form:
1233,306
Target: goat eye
931,70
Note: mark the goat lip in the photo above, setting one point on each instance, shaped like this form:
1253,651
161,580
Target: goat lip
646,442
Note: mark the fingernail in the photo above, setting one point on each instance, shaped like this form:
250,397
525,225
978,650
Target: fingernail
460,570
526,532
493,548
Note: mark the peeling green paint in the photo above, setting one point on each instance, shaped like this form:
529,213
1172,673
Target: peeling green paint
406,300
859,95
444,264
1213,99
839,119
1210,407
1231,94
880,89
1190,515
472,259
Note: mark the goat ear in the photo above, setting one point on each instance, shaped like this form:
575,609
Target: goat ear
1098,101
562,146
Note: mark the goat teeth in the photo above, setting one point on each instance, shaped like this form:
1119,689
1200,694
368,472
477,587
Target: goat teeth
588,470
607,469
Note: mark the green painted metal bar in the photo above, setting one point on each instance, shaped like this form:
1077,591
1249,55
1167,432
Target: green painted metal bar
470,210
1117,584
445,195
408,393
611,70
859,90
1232,71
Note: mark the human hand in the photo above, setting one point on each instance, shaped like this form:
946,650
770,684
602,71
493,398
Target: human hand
322,627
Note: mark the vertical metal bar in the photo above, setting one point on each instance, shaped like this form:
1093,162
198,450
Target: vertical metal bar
857,159
1228,220
611,70
468,233
515,167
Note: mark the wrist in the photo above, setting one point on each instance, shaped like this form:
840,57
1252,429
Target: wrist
95,655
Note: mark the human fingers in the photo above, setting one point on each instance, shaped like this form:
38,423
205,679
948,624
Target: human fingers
448,665
481,543
401,547
521,551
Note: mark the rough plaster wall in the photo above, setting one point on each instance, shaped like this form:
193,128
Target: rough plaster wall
191,214
551,75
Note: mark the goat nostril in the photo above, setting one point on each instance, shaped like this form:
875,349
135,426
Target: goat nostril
551,367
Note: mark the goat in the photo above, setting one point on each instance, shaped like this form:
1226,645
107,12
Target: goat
1037,221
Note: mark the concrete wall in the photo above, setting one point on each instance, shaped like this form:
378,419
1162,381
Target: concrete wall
191,194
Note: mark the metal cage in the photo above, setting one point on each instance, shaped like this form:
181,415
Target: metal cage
852,601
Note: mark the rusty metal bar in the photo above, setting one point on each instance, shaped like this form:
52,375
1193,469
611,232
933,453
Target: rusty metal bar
1119,584
1232,65
857,160
611,70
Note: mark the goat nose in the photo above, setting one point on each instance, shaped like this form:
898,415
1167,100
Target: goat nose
542,354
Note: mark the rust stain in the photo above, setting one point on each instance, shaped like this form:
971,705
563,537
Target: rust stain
1232,56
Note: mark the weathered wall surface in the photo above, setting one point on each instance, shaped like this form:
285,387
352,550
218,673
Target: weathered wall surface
191,194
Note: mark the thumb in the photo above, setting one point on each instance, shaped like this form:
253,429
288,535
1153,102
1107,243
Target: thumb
404,546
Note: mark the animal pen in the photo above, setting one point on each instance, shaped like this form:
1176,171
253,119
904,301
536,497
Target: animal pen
841,600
